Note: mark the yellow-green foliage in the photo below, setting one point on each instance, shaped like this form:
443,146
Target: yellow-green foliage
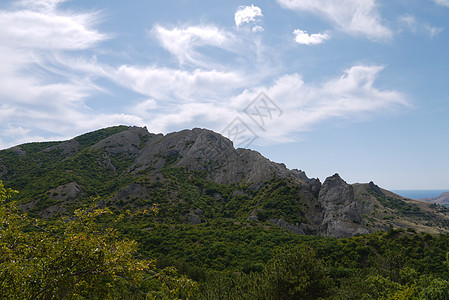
71,259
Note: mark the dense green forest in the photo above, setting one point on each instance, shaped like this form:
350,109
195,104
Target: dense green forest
92,255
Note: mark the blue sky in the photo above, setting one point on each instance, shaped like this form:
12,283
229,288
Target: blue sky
358,87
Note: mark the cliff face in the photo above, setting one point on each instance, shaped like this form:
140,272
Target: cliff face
205,150
197,175
342,213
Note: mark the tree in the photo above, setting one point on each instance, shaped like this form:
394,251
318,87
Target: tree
71,259
296,273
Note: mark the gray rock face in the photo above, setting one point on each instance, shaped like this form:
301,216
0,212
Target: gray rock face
66,147
3,170
18,150
127,142
131,191
296,228
205,150
63,194
375,188
70,191
342,214
193,218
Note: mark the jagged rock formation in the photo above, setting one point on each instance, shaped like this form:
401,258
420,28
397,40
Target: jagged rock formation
375,188
203,150
342,214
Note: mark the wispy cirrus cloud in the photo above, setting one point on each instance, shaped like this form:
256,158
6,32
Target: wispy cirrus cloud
442,2
352,96
409,22
183,42
36,95
38,25
44,6
352,16
175,85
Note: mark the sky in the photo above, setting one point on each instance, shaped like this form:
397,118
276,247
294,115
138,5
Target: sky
355,87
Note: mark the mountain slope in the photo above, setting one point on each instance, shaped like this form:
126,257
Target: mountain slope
442,199
195,176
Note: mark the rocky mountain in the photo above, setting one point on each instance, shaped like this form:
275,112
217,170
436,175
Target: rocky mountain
442,199
195,176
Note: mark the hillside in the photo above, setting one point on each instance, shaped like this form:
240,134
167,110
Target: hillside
197,176
187,216
442,199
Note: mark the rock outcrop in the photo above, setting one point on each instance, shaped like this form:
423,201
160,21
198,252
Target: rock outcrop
3,170
342,214
375,188
202,150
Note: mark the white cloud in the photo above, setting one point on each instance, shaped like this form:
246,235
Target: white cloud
45,6
351,96
38,30
145,106
178,85
442,2
433,31
257,29
302,37
351,16
247,14
190,115
38,94
46,86
183,42
409,22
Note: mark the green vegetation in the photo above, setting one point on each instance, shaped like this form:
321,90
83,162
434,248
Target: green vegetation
397,204
94,137
74,258
86,256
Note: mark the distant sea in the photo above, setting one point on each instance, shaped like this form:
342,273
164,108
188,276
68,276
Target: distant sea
419,194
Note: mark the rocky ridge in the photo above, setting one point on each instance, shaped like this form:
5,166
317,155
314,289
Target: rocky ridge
333,208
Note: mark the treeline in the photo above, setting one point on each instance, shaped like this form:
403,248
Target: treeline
397,264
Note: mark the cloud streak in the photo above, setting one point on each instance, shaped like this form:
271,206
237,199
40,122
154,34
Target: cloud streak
409,22
50,29
36,95
174,85
351,96
183,42
442,2
351,16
